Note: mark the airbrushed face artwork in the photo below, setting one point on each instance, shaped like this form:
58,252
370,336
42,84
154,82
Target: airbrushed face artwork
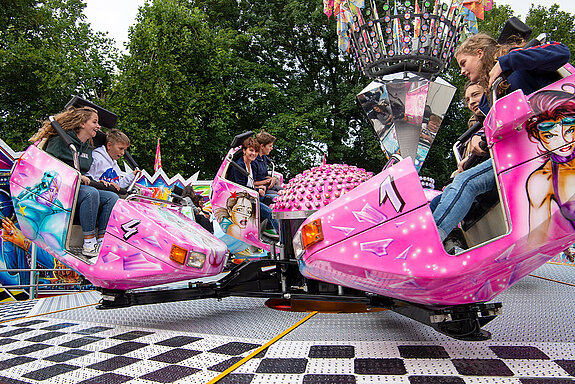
238,215
555,135
241,212
552,184
39,208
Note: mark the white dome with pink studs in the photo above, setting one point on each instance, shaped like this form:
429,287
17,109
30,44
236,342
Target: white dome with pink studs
319,186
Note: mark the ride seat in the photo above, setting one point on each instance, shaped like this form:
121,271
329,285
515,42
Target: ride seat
42,143
485,220
235,158
483,203
99,140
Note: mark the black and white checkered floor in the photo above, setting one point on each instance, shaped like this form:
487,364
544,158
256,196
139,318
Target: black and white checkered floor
533,341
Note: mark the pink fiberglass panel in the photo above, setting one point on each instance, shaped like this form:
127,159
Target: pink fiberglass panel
149,231
403,258
43,193
236,208
391,193
31,168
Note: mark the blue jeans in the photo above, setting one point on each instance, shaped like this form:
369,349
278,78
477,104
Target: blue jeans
266,213
434,202
89,201
457,198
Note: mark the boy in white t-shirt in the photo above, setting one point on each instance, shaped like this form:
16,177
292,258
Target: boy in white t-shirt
105,161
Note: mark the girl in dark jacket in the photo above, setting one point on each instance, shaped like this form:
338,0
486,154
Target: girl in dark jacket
81,125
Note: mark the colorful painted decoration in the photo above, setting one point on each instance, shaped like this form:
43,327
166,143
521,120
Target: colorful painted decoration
405,28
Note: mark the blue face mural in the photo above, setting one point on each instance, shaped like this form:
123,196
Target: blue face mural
40,213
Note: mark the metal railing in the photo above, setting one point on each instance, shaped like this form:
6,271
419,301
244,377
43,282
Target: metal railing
35,284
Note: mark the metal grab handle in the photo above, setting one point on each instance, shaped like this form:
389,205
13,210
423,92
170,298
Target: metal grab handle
152,200
273,167
463,139
494,87
60,131
133,183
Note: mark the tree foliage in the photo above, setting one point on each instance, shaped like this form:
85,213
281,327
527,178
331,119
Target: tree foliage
254,65
47,54
556,24
279,69
319,115
170,87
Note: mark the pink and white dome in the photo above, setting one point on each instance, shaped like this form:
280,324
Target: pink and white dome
319,186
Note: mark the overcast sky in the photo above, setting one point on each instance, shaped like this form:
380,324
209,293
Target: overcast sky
112,16
115,16
521,7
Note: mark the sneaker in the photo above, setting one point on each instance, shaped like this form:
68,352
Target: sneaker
271,232
91,251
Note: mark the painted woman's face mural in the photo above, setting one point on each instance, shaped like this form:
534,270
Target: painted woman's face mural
241,212
555,135
550,187
49,187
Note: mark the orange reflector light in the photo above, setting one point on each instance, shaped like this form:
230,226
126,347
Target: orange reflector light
178,254
311,233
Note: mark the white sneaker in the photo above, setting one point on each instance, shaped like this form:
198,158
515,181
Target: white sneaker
92,251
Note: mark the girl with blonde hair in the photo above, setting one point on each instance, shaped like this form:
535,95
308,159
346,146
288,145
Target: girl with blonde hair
81,126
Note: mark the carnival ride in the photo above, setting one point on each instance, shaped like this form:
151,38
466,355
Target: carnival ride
148,241
346,236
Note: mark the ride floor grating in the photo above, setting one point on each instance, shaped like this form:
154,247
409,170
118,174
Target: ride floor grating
533,342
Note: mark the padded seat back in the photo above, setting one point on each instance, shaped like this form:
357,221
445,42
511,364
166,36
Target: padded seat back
480,207
99,140
235,158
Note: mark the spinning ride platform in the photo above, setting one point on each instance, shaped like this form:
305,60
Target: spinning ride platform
66,339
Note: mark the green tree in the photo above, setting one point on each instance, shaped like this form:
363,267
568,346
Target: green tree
558,25
47,54
200,72
318,114
174,85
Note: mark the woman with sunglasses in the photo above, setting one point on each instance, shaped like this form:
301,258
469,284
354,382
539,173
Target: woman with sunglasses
553,183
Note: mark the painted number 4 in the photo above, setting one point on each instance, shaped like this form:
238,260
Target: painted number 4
388,191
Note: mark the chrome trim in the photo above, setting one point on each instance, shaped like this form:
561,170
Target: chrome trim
293,214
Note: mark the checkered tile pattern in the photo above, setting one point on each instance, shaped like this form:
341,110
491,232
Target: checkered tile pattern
16,310
46,350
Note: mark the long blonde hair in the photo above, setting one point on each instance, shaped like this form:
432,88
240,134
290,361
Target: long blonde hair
70,119
491,53
490,50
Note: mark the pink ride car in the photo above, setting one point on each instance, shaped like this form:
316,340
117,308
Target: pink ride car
147,241
381,236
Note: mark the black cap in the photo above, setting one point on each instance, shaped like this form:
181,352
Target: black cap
514,27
